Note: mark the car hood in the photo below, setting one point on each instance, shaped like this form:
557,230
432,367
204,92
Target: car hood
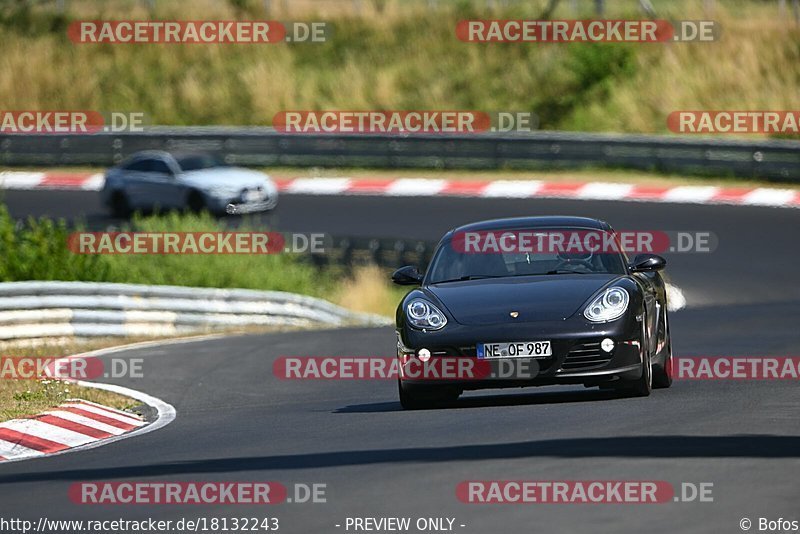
233,178
536,298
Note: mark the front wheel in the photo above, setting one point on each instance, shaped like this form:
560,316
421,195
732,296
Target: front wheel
642,386
662,375
421,397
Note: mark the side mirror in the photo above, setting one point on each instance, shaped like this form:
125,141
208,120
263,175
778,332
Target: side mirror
407,276
645,263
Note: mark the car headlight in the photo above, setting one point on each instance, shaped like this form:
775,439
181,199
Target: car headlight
607,306
423,314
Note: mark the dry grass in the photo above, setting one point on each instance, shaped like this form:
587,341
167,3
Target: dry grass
24,398
753,67
370,291
407,57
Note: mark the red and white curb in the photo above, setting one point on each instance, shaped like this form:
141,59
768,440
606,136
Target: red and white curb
426,187
422,187
73,424
51,180
80,425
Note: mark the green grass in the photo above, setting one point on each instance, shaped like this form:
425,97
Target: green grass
38,251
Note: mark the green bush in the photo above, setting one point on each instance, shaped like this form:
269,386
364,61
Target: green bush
37,250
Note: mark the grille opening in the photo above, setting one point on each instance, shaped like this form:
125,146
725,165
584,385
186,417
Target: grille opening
586,356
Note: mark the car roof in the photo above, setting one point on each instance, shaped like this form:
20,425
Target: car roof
149,153
174,153
187,154
164,154
146,154
557,221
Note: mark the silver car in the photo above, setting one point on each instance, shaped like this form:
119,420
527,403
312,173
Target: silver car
153,180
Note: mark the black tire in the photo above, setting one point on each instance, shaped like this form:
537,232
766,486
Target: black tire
662,375
420,398
120,206
195,202
642,386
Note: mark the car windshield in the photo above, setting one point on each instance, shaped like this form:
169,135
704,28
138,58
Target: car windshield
196,162
525,252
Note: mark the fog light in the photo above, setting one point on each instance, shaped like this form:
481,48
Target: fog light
607,344
424,355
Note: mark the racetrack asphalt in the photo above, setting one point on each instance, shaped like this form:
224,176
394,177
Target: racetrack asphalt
237,422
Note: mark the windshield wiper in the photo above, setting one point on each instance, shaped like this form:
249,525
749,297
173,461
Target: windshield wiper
567,271
468,277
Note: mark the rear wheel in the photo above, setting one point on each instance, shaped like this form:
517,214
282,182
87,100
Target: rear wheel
421,397
120,206
195,202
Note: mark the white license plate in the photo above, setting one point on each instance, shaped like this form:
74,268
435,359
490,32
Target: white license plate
519,349
252,196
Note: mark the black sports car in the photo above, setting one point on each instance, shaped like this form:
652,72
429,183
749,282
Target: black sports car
505,303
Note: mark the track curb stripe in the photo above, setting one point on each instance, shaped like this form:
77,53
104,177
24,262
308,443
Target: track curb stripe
56,434
97,417
14,451
427,187
422,187
85,421
32,442
110,410
72,424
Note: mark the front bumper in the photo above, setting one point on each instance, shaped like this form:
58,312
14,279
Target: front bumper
577,354
239,203
232,208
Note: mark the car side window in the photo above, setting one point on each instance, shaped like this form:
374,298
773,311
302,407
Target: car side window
156,165
142,165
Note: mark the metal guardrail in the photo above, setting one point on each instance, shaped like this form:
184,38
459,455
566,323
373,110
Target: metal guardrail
85,309
389,253
765,159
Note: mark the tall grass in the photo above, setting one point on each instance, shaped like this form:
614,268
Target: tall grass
399,58
368,290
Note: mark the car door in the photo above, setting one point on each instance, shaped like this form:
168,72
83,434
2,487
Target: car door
159,185
134,178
